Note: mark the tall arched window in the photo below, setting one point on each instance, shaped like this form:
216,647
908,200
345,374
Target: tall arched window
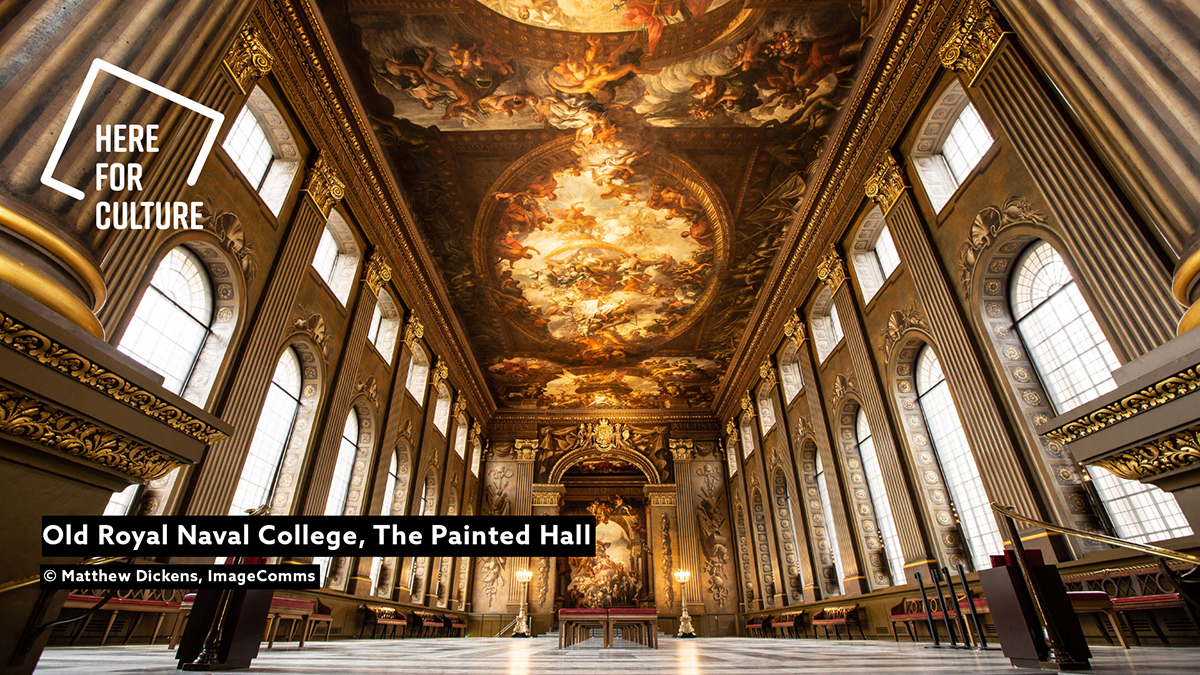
950,144
789,372
1075,364
879,499
958,464
418,374
766,411
441,410
826,326
271,436
260,143
337,256
873,254
173,320
747,436
385,324
339,487
830,530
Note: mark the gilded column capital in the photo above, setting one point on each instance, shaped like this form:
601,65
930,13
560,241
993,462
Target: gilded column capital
767,372
682,448
413,331
526,449
662,497
460,405
730,428
794,330
323,184
886,183
379,272
547,498
248,59
748,405
831,270
973,40
440,372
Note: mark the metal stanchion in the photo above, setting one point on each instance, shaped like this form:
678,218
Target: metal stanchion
928,615
937,583
983,645
958,613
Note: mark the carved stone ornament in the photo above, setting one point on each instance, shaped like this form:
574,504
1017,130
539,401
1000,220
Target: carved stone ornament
476,429
794,330
767,372
415,330
898,323
441,371
314,327
747,406
1175,451
663,498
730,427
323,185
44,424
460,406
24,340
830,269
227,227
369,388
844,384
682,448
546,498
886,183
803,427
526,449
378,272
988,223
973,40
1177,385
248,58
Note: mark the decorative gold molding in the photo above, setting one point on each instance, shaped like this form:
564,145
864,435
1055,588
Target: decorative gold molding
379,272
662,497
248,59
547,498
885,184
25,340
747,406
730,428
830,269
44,424
526,449
323,184
767,372
460,406
682,448
974,39
794,330
440,373
413,331
1146,399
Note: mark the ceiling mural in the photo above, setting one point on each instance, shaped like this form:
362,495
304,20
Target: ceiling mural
604,185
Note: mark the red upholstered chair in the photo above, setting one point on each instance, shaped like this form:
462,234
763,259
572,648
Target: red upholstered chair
283,609
140,602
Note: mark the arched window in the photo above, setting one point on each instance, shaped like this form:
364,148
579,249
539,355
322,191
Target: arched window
747,436
789,372
1075,364
731,456
460,439
766,411
826,327
261,145
418,374
120,503
385,325
271,437
879,499
830,530
441,410
873,254
476,456
173,320
339,487
949,145
337,256
957,462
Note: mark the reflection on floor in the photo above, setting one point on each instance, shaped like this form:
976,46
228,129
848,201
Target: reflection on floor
539,656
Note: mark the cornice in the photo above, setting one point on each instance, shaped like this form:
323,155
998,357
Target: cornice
694,416
903,62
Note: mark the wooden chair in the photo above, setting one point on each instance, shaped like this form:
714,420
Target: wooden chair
846,615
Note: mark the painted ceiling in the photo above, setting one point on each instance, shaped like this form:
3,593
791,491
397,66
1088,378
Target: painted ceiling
604,184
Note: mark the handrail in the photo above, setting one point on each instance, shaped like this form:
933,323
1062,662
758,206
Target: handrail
34,578
1104,539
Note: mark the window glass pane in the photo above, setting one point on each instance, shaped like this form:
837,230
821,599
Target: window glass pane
747,438
339,487
270,437
172,321
418,374
389,489
830,530
969,140
879,500
766,413
248,147
373,329
885,251
958,464
119,503
835,324
326,257
441,413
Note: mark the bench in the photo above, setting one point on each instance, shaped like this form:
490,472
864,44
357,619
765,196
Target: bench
792,622
283,609
911,612
382,615
756,626
575,625
1141,588
638,625
321,614
846,615
426,624
141,602
456,625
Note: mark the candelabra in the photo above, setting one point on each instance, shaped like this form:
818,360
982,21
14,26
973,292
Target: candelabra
522,627
685,621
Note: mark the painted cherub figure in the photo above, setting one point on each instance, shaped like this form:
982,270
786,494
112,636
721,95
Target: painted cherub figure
590,74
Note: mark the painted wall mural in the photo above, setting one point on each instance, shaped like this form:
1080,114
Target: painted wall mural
615,576
605,185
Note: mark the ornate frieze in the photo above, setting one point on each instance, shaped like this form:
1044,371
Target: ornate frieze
794,330
1168,453
323,185
413,331
662,497
314,327
379,272
1146,399
526,449
682,448
831,270
248,59
974,39
988,223
885,184
547,498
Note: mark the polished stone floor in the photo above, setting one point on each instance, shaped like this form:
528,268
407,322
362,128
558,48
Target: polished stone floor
541,656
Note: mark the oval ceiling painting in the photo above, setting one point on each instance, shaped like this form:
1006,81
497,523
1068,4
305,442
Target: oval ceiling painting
603,16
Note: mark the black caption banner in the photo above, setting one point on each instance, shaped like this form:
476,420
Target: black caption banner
120,577
387,536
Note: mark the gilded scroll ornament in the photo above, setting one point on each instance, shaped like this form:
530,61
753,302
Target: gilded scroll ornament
794,330
973,40
323,184
378,271
830,269
682,448
1165,454
898,324
526,449
730,427
440,373
747,406
886,183
413,331
44,424
1162,392
767,373
460,406
248,58
843,385
24,340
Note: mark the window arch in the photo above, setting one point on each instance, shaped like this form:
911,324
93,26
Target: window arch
747,440
1075,362
781,493
956,460
830,529
951,143
261,145
385,325
441,409
418,373
276,430
766,410
337,256
877,492
789,372
873,254
763,547
731,454
826,326
339,487
476,455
